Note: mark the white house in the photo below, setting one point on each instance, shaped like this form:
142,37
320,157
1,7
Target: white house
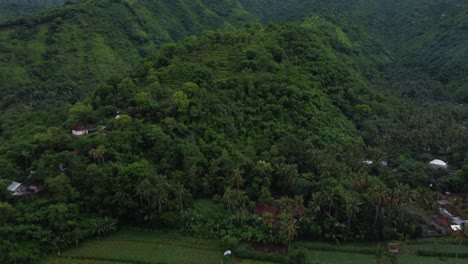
16,189
80,130
438,164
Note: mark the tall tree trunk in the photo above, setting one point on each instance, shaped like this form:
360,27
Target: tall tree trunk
377,211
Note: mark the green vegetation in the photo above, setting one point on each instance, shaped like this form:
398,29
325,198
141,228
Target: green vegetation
249,135
139,246
59,55
10,9
79,261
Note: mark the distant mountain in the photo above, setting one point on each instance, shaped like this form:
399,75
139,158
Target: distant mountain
11,9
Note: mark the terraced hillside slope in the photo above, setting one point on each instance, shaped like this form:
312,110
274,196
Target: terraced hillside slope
61,54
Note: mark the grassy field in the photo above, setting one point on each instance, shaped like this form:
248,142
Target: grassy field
333,254
78,261
149,247
138,247
327,257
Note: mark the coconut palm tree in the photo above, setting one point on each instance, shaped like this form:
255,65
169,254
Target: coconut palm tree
98,154
144,190
352,206
457,205
378,194
288,228
161,192
182,195
236,179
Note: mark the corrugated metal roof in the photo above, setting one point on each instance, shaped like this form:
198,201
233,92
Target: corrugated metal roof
13,186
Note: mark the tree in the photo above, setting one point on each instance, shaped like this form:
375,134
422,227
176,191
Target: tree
378,195
288,228
408,195
144,190
457,205
7,213
182,195
161,192
80,113
103,226
236,180
352,206
61,188
180,101
98,154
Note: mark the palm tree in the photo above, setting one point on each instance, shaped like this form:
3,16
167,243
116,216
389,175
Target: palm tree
268,219
457,205
98,154
229,199
408,195
378,195
352,207
144,190
161,192
182,195
287,227
236,179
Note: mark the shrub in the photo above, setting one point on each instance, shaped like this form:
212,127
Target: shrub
335,248
230,241
260,256
298,257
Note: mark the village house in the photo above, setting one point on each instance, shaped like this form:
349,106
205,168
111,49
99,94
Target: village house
17,189
80,130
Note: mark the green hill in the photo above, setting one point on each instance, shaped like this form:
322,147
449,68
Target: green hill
192,135
11,9
426,39
273,105
61,54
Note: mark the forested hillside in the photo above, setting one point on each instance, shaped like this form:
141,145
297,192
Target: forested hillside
59,55
11,9
191,114
236,116
426,39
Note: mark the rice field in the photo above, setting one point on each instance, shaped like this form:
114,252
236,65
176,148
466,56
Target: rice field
162,247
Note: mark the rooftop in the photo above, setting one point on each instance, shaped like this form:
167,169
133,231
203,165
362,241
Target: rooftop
13,186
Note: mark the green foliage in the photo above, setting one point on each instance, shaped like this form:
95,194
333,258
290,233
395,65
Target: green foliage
60,54
10,9
282,114
260,256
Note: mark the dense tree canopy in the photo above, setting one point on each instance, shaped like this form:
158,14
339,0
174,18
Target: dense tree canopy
262,133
